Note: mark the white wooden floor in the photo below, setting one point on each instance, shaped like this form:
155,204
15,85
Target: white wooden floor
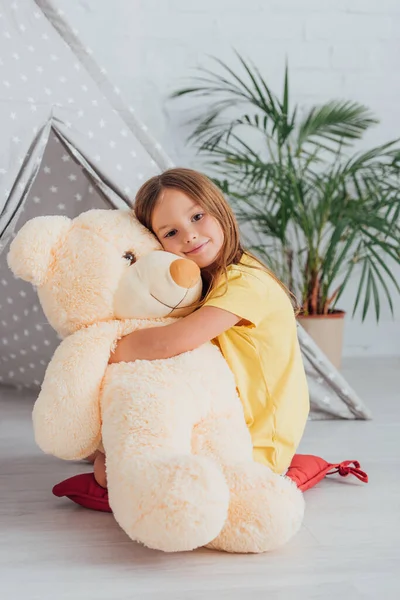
349,546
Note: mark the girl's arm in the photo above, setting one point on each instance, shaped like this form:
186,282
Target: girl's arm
186,334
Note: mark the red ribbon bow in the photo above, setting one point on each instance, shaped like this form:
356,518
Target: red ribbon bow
345,468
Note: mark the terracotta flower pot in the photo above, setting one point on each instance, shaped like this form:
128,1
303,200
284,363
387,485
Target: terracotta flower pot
327,333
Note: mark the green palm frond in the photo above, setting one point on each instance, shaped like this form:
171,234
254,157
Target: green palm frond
336,121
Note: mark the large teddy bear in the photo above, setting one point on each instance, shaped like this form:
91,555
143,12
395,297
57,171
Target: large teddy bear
179,455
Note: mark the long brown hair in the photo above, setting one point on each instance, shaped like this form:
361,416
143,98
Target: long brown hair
203,191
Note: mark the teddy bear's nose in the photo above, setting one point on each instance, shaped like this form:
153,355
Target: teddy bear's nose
185,273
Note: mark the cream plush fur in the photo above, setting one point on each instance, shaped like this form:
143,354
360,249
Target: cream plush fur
179,455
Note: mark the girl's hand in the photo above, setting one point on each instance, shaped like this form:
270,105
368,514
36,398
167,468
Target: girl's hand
124,350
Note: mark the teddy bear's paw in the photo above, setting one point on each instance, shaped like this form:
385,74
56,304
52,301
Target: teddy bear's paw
180,503
262,517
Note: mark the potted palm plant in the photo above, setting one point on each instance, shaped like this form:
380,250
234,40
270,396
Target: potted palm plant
318,213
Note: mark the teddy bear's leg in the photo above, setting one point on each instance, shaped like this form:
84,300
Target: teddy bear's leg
265,509
160,493
173,502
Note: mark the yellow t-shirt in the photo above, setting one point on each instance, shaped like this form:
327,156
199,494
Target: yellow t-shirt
264,356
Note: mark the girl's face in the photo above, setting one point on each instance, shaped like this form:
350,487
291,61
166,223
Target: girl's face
184,228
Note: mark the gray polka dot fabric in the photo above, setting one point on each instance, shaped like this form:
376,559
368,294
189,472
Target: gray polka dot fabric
69,143
27,341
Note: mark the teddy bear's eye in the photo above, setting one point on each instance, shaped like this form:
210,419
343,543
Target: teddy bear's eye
130,256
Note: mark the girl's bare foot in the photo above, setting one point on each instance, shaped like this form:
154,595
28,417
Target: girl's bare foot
100,469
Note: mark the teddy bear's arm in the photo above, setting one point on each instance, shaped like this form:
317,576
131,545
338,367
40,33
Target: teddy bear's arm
66,415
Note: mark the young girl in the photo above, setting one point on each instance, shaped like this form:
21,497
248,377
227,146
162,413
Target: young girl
246,311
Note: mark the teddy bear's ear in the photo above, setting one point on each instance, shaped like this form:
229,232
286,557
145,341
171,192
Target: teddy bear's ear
32,250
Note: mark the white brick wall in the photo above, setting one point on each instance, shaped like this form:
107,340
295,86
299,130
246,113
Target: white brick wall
336,49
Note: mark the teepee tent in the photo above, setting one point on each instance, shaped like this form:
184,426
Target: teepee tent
69,143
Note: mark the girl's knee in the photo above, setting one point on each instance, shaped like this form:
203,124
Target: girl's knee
100,470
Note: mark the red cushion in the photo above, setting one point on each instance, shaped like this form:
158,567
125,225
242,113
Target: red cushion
85,491
305,470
